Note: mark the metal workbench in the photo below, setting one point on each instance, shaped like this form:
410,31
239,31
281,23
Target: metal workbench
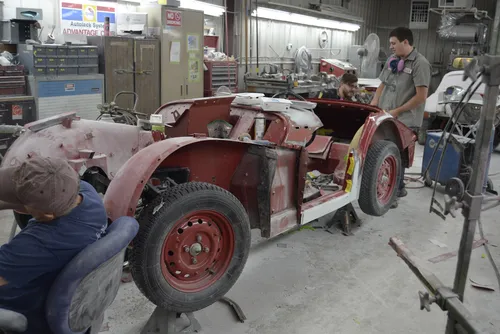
269,86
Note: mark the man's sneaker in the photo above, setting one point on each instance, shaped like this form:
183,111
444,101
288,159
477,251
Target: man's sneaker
402,192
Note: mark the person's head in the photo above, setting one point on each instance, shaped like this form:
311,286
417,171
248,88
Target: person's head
348,85
45,188
401,41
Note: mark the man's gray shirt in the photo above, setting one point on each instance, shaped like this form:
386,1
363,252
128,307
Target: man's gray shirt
400,87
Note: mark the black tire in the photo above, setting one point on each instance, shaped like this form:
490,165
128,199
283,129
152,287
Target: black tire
422,132
22,220
157,221
455,188
369,200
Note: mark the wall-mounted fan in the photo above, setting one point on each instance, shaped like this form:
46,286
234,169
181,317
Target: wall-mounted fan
369,55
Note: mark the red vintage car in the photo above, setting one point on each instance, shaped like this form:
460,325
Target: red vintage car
200,177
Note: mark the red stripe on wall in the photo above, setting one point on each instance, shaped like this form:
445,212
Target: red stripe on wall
71,5
105,9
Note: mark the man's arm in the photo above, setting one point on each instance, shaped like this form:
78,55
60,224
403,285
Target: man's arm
421,79
377,95
414,102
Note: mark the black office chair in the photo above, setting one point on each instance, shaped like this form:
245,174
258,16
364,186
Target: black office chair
86,286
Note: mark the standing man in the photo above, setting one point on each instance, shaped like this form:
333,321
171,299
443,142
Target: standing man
405,83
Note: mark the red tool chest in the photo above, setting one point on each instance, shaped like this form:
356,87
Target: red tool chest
220,73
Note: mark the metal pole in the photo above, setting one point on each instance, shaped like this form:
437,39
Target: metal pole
474,195
257,34
446,299
495,30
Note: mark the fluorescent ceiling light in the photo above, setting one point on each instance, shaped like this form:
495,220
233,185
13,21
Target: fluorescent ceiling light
207,8
279,15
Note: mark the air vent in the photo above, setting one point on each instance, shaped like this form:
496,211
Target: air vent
419,15
467,4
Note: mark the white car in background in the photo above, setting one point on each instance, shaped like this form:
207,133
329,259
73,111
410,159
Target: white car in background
439,108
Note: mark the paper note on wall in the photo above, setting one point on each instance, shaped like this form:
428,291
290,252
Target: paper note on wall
193,43
194,69
175,52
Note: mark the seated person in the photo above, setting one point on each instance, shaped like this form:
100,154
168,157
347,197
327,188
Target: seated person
68,215
346,91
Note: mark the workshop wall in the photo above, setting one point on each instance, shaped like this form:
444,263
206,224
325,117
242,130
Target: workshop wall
274,36
427,41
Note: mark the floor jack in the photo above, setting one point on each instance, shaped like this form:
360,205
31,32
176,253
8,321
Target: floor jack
168,322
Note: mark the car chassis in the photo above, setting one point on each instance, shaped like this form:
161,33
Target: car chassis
197,197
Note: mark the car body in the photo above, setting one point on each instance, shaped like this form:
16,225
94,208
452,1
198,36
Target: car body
197,197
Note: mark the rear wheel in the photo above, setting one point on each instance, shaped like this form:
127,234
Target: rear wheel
379,183
192,245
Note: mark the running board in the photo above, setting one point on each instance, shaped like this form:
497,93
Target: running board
324,205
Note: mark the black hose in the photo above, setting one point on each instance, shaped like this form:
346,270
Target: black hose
449,123
312,138
288,93
456,113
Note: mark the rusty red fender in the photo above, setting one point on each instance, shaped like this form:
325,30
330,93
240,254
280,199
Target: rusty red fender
380,126
125,189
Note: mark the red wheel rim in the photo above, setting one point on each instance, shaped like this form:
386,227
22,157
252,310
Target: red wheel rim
386,180
197,251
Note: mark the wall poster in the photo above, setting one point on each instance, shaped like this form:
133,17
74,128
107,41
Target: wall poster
86,17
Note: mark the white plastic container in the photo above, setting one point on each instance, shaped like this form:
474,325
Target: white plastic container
248,99
275,105
260,126
304,104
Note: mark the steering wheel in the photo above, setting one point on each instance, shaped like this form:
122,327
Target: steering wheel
287,93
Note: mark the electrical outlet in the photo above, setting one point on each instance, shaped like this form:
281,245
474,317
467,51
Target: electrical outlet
289,46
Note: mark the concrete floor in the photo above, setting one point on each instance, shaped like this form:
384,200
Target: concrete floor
317,282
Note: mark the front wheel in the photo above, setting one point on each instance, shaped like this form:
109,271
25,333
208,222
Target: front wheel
192,245
379,183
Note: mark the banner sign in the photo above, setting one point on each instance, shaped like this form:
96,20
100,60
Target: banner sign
86,18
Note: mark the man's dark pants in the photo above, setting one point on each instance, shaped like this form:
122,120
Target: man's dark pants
401,175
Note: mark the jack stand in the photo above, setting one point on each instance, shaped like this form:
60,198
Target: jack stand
346,217
167,322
